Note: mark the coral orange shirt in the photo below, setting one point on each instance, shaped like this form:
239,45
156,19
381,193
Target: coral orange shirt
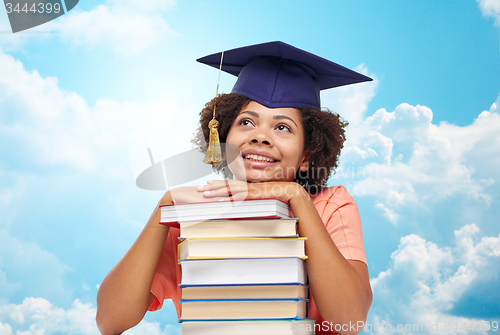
340,215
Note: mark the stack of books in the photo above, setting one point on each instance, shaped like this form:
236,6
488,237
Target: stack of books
243,268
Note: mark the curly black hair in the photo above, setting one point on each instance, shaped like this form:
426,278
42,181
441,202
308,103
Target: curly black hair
324,137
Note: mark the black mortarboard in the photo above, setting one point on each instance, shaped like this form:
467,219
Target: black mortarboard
276,74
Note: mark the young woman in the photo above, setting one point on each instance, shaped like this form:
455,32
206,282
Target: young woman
288,149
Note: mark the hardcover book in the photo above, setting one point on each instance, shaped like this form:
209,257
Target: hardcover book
277,291
243,271
210,248
239,228
249,327
243,309
259,208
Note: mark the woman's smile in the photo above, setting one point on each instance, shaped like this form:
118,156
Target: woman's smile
258,159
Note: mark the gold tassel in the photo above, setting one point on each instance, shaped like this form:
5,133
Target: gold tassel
213,155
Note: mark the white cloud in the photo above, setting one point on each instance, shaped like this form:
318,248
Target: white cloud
17,41
490,8
5,329
426,282
7,289
37,120
404,159
145,6
9,41
29,270
12,189
390,214
55,127
53,134
36,316
153,328
39,316
351,101
126,27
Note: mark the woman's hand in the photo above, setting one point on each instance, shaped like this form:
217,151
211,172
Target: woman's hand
189,194
240,190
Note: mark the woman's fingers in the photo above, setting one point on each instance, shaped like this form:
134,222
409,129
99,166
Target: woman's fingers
225,192
216,193
216,184
241,190
223,188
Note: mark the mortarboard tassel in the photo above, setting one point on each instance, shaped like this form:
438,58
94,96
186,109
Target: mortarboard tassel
213,155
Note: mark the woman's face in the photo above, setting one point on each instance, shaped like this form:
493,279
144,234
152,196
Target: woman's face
271,141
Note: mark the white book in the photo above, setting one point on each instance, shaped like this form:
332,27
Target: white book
258,208
267,327
243,271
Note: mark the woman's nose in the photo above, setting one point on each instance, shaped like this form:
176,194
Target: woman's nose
261,136
263,141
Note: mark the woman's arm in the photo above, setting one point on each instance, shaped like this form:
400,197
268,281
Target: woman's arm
124,295
340,287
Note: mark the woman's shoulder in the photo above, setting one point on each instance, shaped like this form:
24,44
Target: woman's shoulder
334,194
337,208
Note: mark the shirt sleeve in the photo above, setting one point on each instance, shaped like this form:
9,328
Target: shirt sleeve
167,277
340,214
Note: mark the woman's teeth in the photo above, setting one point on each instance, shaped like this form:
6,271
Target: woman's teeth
259,158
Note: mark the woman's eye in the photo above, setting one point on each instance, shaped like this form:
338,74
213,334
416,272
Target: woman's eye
245,122
283,127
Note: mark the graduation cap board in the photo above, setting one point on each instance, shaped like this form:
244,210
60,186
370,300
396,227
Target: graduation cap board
276,74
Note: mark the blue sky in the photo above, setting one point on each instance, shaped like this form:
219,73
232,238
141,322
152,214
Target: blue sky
82,97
